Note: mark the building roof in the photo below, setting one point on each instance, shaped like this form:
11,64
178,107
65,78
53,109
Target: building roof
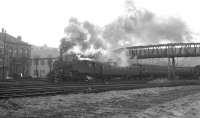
11,39
44,52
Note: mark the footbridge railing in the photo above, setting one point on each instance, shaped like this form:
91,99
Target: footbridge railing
164,50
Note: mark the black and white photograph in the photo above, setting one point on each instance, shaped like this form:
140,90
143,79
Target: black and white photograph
99,59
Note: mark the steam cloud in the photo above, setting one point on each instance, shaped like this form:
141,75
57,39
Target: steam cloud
141,27
145,28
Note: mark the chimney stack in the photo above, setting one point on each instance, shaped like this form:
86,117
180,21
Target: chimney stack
2,29
19,38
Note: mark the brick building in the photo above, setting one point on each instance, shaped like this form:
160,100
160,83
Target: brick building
42,58
40,67
14,56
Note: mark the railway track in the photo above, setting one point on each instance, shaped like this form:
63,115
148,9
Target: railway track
53,89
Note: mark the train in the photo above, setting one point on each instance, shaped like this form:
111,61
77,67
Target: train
89,70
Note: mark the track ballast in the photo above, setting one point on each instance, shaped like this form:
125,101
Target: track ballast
11,90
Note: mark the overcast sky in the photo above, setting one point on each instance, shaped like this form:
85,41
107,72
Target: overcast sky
42,22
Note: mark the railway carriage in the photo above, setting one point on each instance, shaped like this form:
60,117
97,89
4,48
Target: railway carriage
84,70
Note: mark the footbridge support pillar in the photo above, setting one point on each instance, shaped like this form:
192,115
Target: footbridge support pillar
171,68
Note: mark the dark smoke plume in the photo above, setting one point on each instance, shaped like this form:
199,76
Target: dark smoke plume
82,37
94,32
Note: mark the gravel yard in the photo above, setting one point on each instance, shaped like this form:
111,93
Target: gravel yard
171,102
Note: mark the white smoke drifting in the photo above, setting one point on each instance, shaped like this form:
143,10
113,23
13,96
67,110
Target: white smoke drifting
120,59
146,28
136,27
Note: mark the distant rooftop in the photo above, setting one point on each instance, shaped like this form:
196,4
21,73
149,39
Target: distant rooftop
11,39
44,52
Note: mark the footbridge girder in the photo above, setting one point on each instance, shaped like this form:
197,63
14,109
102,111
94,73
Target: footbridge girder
170,51
164,50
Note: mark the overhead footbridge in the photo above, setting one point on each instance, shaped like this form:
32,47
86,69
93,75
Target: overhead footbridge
169,50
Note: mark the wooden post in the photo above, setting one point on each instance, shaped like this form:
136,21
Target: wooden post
169,68
173,68
169,64
4,53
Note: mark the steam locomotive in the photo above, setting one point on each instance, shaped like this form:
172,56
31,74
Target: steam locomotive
88,70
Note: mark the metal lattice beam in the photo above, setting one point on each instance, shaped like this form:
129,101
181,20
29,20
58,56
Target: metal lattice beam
164,50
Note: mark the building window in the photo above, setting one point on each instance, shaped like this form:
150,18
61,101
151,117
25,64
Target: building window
30,62
22,52
27,52
36,61
1,51
42,71
90,65
15,52
10,52
18,52
42,62
35,72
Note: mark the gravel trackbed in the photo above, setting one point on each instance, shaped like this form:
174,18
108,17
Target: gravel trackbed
163,102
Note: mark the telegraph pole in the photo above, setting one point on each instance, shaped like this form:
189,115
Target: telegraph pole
2,55
4,52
